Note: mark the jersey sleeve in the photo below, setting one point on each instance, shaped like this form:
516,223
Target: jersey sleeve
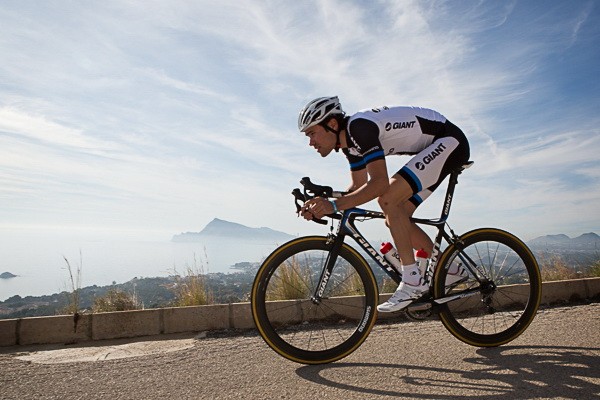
356,162
364,138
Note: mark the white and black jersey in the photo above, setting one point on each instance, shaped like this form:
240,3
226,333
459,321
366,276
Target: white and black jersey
438,145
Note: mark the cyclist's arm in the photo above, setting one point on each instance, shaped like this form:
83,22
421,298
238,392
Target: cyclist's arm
375,182
358,179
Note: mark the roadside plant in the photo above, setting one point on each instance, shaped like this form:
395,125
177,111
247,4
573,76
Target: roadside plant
191,289
291,281
595,269
74,294
554,268
116,300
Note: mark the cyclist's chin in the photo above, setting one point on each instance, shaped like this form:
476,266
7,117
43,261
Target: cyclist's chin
324,152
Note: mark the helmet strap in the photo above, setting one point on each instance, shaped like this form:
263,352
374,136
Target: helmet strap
337,136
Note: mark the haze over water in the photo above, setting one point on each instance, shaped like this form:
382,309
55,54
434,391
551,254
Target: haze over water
38,260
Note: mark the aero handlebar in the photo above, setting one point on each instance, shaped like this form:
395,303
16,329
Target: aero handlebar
312,190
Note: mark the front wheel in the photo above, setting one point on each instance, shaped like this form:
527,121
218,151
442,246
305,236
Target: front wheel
295,325
500,291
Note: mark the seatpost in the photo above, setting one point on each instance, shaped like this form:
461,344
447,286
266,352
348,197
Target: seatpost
453,181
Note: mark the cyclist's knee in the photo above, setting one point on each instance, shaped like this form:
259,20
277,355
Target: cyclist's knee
386,202
391,205
395,200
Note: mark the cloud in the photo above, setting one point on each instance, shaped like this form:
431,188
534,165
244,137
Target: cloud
553,152
37,127
162,78
579,20
174,109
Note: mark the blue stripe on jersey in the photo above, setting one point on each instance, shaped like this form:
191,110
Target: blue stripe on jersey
367,159
377,154
359,164
414,178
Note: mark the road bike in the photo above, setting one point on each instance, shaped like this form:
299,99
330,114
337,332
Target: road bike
314,299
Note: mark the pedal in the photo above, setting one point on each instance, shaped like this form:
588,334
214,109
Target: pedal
419,311
424,306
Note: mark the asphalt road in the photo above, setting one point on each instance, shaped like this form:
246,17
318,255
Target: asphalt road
557,357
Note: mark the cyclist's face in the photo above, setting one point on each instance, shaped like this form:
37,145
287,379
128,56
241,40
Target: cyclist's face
321,139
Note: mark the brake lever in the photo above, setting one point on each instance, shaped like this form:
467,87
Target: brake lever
302,197
316,190
298,196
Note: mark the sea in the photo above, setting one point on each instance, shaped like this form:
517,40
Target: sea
42,264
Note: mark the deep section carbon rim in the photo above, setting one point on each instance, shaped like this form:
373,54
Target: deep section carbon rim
304,330
501,293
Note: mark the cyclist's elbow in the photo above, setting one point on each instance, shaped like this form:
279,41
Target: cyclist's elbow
380,186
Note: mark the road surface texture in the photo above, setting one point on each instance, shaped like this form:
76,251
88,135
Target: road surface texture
557,357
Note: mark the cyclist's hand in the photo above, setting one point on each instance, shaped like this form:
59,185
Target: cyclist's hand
316,208
306,214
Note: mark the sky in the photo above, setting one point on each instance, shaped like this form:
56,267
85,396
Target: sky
145,119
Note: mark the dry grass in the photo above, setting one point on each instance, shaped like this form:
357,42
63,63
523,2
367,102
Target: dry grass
595,269
72,306
116,300
388,285
350,284
554,268
291,281
191,289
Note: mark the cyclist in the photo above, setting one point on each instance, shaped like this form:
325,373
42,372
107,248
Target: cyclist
366,138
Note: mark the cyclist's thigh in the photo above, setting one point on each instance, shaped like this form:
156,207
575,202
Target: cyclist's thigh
420,197
429,167
397,193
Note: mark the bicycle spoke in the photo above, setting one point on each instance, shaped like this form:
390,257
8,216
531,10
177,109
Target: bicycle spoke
291,315
509,289
502,264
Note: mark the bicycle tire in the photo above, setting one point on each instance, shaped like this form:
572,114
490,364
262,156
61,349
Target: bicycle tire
500,312
291,323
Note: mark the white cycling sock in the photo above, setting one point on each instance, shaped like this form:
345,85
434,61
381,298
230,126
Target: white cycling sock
411,274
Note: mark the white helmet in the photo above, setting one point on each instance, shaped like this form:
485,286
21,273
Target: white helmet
317,111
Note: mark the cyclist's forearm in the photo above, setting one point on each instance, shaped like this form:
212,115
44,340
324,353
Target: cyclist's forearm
367,192
372,182
359,179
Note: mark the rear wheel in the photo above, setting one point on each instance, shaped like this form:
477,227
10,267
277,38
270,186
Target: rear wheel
501,293
301,329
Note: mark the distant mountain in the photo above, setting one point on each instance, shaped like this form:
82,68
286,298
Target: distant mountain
7,275
220,229
587,239
548,239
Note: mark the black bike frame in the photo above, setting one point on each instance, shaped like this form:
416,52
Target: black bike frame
347,228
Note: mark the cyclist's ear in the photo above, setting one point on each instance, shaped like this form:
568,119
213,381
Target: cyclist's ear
333,124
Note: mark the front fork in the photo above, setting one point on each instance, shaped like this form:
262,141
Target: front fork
336,243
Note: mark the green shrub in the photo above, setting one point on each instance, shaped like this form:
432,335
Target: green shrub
595,269
116,300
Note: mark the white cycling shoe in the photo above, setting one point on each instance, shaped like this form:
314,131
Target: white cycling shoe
403,297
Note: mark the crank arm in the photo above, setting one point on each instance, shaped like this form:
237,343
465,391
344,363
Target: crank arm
457,296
